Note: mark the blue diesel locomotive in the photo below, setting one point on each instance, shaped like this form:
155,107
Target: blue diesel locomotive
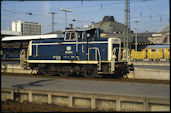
81,52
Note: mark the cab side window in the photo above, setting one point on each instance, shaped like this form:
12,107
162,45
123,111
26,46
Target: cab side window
72,36
67,36
79,37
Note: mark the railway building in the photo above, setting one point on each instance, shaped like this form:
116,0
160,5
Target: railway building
5,33
110,25
13,45
111,28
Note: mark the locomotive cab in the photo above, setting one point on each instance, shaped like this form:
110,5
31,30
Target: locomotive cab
114,49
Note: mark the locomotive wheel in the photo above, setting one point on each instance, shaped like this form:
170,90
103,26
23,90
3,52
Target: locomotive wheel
44,69
90,72
45,72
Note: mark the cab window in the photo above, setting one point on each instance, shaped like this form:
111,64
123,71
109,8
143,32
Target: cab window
72,36
79,36
67,36
88,35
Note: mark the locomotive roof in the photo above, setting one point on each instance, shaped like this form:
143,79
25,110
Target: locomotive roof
80,29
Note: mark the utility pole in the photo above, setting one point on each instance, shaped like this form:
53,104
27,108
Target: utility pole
136,21
65,10
127,23
52,13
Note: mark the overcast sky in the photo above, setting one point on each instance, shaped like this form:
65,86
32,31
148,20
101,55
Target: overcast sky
152,14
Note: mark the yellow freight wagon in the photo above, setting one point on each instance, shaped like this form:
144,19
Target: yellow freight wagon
155,54
138,55
152,52
166,53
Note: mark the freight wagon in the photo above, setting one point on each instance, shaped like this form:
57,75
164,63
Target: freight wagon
152,53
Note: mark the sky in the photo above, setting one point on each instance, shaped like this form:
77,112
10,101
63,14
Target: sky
151,14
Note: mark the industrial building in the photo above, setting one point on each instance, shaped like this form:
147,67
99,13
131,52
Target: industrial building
26,28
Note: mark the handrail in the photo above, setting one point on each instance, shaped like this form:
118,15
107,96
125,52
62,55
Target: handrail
99,63
113,60
97,49
82,43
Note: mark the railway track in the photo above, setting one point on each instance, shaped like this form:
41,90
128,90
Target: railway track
97,79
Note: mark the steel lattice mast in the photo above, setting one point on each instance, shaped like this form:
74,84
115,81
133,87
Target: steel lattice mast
52,13
127,23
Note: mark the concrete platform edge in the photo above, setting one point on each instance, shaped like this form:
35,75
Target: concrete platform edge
103,102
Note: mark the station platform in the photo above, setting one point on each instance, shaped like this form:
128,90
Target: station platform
100,95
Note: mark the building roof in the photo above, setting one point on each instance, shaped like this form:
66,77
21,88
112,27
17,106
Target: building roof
76,29
109,25
32,37
165,29
55,32
26,22
7,32
159,46
141,37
